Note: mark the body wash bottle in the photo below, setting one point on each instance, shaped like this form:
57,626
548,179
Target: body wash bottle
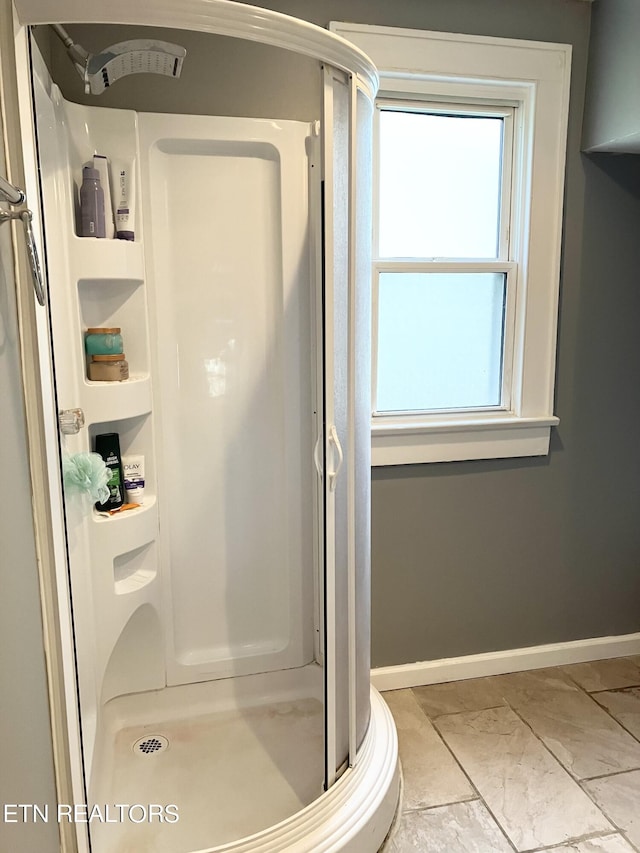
108,446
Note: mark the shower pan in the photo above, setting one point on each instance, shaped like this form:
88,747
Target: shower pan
213,692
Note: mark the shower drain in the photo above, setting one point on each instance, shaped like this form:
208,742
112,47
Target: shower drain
150,744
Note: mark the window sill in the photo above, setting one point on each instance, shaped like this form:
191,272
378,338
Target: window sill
482,437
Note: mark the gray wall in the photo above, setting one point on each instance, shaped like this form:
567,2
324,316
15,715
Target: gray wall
612,113
26,760
480,556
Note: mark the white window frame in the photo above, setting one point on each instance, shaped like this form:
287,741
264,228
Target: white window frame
534,77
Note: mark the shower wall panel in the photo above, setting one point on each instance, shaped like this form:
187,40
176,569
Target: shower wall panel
226,221
115,585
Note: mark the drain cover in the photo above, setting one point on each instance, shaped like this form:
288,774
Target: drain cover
150,744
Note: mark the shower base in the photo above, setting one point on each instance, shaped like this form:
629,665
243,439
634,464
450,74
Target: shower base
230,771
244,767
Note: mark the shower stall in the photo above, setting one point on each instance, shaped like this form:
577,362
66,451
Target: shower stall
215,639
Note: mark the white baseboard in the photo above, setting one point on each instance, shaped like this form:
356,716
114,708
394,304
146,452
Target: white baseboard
496,663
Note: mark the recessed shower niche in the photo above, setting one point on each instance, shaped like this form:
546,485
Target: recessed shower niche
230,612
121,303
135,569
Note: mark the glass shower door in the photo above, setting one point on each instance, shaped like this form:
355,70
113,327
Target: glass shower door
338,497
347,413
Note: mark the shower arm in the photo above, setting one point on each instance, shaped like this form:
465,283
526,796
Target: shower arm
78,54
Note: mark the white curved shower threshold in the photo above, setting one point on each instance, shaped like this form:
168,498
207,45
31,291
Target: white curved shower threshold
211,765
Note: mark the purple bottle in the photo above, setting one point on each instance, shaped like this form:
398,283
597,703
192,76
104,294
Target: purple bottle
91,204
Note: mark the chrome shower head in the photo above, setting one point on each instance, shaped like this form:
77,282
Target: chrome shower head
138,56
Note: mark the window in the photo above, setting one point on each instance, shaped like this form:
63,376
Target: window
442,281
469,145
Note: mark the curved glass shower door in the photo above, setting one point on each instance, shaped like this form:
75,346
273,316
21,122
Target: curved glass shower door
337,442
197,615
347,442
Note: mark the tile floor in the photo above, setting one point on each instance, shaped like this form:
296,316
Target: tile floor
547,759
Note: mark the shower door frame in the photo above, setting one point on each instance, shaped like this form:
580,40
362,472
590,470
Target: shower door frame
38,390
338,293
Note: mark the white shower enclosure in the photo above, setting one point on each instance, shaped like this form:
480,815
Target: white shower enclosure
218,635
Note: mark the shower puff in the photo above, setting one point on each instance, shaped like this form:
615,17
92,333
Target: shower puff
86,473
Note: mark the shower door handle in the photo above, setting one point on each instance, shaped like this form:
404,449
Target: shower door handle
14,195
34,262
317,456
70,421
335,441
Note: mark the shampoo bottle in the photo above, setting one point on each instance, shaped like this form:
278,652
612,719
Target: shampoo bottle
101,163
108,446
91,204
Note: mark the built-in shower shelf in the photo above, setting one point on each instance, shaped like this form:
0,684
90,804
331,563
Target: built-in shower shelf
135,570
108,401
118,534
104,259
134,583
149,505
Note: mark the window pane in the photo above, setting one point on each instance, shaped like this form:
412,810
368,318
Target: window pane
440,340
439,185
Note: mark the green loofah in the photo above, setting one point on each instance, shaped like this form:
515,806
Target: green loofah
86,473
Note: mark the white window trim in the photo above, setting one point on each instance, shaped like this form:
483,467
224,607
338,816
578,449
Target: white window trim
535,76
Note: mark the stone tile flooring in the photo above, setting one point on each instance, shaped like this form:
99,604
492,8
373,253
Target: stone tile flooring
542,760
